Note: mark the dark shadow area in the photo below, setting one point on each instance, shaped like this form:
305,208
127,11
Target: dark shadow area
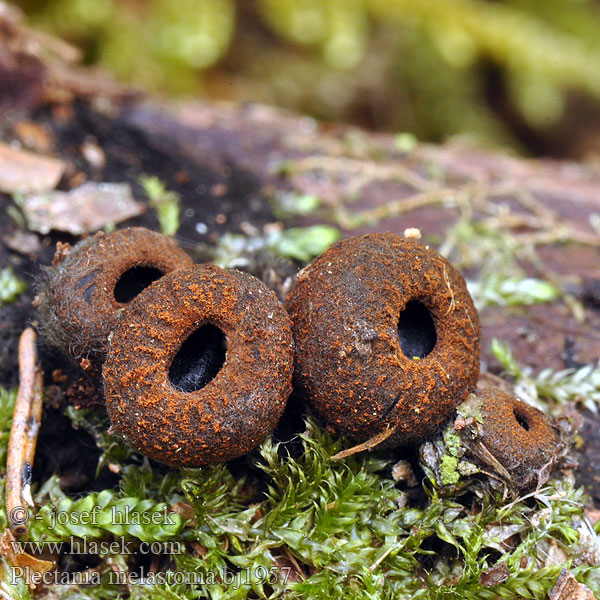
199,359
134,281
416,330
521,419
71,453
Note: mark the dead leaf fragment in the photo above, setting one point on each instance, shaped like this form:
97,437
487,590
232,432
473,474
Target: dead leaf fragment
94,155
26,172
555,555
34,136
183,509
23,242
402,471
87,208
495,576
568,588
9,549
61,252
593,515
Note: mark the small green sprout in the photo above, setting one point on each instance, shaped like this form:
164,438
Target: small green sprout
164,202
405,142
291,204
496,290
503,353
304,243
10,286
299,243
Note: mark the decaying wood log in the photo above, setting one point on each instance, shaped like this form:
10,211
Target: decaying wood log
367,184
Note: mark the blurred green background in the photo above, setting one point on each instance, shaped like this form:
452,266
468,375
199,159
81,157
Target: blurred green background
521,74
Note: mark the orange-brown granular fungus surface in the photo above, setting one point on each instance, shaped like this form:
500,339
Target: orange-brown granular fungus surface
357,311
519,436
82,295
228,414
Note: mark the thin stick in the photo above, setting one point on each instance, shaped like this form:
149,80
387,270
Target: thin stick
368,445
294,562
396,208
23,434
365,171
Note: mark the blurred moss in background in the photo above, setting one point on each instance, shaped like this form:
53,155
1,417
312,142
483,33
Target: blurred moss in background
518,73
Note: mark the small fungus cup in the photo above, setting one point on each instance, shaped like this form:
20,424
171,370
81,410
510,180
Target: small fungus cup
83,293
519,436
387,338
200,368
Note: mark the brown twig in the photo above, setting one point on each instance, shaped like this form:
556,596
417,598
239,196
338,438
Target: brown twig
395,208
294,562
9,550
23,434
368,445
361,171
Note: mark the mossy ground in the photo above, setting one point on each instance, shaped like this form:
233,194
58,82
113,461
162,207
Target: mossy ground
290,522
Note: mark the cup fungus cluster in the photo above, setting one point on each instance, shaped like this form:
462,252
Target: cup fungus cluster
199,359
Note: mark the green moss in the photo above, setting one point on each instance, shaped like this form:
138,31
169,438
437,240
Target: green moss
11,287
110,514
7,403
495,290
164,202
296,524
448,470
299,243
341,522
